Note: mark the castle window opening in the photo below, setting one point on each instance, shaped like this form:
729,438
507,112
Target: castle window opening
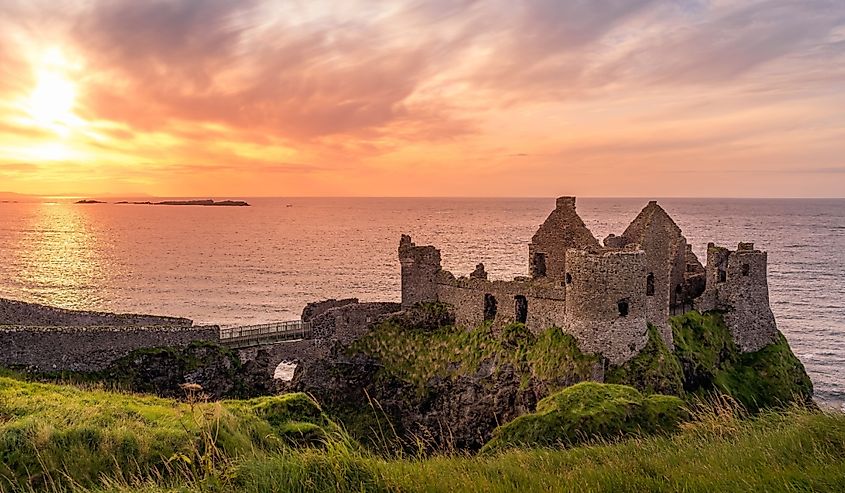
490,307
521,308
539,267
622,306
746,269
649,284
568,278
723,276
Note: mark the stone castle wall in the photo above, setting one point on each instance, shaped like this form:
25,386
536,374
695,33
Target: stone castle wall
665,254
562,230
737,283
317,308
46,349
649,270
543,302
349,321
21,313
420,268
606,309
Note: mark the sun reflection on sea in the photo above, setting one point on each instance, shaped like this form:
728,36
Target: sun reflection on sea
58,257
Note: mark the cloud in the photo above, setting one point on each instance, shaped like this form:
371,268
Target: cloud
304,90
734,40
217,61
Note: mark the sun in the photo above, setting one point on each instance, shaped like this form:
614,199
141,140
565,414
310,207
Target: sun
51,103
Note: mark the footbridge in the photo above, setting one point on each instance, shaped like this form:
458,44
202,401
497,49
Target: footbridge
258,335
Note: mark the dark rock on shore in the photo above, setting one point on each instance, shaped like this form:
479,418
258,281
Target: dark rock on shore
209,202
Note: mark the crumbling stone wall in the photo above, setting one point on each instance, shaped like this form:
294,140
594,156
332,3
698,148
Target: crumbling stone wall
420,268
737,283
544,301
317,308
562,230
86,349
349,321
695,276
21,313
606,309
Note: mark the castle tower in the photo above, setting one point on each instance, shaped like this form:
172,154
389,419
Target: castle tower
606,308
420,268
563,229
737,284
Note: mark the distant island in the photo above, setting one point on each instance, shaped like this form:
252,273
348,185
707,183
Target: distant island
208,202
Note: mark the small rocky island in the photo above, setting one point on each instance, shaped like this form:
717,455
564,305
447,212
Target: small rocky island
201,202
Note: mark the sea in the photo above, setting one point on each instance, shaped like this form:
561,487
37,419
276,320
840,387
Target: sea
248,265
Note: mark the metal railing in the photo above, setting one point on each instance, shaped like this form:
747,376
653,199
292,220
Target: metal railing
253,335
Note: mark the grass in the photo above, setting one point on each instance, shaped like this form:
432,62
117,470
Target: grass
417,354
711,362
655,370
72,439
55,435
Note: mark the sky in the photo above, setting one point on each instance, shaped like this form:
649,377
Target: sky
248,98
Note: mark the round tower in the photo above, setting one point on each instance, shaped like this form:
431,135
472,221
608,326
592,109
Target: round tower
605,301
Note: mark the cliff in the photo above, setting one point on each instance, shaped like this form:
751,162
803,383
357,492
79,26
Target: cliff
455,386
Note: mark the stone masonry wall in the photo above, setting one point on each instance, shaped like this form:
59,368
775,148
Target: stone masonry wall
33,314
546,301
600,283
420,268
86,349
317,308
737,283
665,256
348,322
563,229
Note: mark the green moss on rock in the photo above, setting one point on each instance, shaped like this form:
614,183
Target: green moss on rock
590,411
417,356
772,376
655,370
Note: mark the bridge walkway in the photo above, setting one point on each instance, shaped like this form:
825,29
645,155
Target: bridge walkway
258,335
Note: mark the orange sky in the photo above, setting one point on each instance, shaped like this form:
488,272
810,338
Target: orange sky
419,98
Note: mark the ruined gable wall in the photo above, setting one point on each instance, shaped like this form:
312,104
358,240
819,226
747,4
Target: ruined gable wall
546,301
737,283
599,282
665,256
563,229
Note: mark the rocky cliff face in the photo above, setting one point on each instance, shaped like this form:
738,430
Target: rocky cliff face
387,412
414,380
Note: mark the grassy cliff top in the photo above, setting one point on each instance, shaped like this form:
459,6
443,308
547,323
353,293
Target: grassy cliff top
89,440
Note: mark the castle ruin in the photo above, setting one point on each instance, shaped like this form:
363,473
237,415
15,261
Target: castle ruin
604,294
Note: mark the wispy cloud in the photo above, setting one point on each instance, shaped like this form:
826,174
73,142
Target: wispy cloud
249,93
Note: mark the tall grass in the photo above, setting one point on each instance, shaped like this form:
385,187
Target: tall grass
228,449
